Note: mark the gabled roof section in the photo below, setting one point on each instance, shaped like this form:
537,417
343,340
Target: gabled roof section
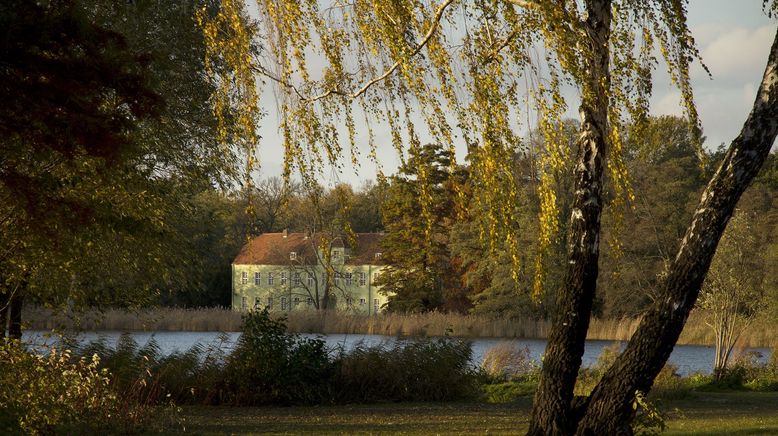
275,249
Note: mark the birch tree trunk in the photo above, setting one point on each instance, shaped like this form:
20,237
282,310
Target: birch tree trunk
609,409
553,411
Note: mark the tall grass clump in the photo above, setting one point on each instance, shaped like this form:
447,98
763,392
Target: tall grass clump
408,370
509,372
508,361
53,393
142,374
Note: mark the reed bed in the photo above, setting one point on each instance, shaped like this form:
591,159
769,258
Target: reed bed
391,324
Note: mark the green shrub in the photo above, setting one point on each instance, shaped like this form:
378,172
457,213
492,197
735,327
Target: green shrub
409,370
508,392
669,385
588,377
52,393
271,366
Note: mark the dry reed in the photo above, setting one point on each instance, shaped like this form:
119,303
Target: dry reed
391,324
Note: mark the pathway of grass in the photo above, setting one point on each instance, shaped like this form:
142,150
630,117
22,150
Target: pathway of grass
731,413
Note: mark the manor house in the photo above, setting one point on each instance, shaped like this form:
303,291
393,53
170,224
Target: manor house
298,271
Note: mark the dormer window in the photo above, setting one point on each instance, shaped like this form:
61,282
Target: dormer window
335,254
292,255
378,256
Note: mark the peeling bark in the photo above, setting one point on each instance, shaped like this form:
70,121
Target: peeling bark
554,411
609,410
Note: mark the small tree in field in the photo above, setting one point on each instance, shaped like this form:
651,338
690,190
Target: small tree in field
732,296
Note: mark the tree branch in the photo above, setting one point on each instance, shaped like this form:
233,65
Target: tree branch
529,4
353,95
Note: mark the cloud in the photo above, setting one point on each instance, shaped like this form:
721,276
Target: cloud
669,103
738,53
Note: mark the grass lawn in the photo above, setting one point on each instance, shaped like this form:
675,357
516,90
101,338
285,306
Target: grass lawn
707,413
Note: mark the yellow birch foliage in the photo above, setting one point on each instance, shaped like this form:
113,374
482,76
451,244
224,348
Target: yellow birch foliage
459,73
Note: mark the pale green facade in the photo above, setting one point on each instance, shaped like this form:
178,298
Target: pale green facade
286,272
291,287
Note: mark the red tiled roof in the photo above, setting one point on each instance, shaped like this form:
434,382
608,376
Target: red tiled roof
274,249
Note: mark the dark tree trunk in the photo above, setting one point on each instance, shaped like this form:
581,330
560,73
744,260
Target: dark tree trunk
5,304
609,409
15,315
553,412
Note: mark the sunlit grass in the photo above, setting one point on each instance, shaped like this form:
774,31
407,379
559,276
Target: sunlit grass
729,413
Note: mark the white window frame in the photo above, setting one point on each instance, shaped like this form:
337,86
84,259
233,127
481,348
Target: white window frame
270,303
270,279
283,278
257,278
283,303
296,279
244,277
348,278
362,278
292,255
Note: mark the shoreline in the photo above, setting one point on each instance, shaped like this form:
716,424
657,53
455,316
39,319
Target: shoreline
433,324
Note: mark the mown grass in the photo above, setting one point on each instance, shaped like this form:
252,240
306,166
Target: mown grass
427,324
703,413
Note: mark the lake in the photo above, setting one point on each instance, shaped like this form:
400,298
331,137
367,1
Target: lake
688,358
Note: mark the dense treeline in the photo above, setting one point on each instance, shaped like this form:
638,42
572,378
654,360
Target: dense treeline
436,255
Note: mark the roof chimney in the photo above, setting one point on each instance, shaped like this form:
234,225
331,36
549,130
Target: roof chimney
286,233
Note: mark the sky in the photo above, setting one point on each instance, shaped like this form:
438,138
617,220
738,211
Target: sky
733,36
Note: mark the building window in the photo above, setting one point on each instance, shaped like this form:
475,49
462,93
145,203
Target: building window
257,278
375,277
270,279
376,306
244,277
362,279
296,301
335,254
257,303
362,301
378,256
292,255
243,303
336,277
283,303
297,279
283,278
349,278
349,302
311,278
310,301
269,303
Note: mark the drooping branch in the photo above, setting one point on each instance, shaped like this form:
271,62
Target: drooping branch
356,94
